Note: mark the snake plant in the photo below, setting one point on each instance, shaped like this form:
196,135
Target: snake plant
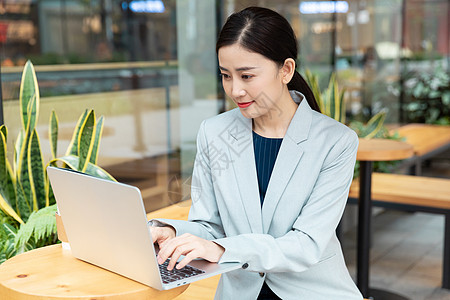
331,101
373,127
24,186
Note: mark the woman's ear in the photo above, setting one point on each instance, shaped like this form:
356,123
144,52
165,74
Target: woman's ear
288,70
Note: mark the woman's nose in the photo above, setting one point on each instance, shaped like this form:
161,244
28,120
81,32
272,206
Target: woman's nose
237,90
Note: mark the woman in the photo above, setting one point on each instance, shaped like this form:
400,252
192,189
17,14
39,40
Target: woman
271,177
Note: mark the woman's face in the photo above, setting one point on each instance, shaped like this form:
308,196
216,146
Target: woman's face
251,80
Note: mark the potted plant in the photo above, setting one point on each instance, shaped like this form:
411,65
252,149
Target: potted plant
27,204
332,103
331,100
427,96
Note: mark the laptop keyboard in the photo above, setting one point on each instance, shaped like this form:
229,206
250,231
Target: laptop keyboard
175,274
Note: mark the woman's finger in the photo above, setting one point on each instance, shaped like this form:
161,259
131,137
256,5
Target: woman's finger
191,247
186,260
193,250
181,250
168,247
161,234
155,233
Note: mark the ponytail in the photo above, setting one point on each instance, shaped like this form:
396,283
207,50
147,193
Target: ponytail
299,84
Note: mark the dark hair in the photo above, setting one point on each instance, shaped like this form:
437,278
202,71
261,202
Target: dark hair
266,32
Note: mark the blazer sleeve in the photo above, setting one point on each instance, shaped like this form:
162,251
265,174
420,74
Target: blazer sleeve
305,243
204,220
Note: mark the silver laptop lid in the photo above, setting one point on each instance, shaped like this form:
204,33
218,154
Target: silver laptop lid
106,224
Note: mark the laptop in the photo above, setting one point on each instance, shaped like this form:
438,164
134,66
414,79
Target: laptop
106,225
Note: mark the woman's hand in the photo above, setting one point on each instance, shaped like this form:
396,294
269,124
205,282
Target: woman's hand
162,234
191,247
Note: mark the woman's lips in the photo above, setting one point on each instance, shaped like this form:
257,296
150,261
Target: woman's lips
245,104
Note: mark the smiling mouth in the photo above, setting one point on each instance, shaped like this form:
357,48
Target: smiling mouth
245,104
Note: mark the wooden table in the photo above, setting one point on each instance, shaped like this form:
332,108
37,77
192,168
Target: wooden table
368,152
427,140
53,273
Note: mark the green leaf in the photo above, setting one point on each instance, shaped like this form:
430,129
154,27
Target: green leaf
72,162
358,127
9,210
32,113
313,83
49,196
23,205
374,125
326,103
7,189
3,167
69,161
334,94
53,134
36,172
17,148
10,251
40,225
7,235
10,230
434,94
28,89
446,99
96,144
30,245
97,171
86,141
342,106
432,115
418,90
73,146
4,130
23,178
22,161
332,99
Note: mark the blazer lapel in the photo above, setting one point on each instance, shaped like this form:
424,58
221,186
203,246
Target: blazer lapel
243,161
287,160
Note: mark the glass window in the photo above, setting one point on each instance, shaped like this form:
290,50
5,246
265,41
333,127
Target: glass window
425,87
148,66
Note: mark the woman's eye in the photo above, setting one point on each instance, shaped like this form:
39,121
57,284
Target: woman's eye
247,76
224,76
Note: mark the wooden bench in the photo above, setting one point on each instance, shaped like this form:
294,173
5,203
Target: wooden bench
427,140
413,193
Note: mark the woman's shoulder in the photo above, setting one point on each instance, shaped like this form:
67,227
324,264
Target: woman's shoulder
321,125
329,127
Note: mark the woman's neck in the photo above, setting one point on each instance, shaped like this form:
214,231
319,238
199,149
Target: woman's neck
275,123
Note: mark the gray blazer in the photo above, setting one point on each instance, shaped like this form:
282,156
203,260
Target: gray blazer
290,242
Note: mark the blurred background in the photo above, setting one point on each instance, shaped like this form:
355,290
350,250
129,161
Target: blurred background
150,68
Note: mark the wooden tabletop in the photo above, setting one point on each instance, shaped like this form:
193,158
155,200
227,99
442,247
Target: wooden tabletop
383,150
425,137
52,273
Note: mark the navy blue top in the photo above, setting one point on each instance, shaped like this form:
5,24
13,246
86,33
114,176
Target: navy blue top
266,151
